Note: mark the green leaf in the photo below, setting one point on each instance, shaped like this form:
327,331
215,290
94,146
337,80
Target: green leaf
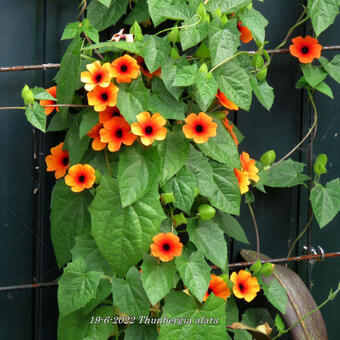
156,18
163,102
142,331
276,295
105,2
174,152
155,51
206,91
323,13
129,229
89,119
169,9
232,313
138,171
132,99
139,13
209,239
224,43
285,174
180,306
227,6
325,201
193,32
325,89
194,271
90,30
67,78
186,75
41,94
255,22
57,123
183,186
233,81
102,17
75,145
222,147
71,30
157,278
129,295
77,287
313,74
230,226
332,67
35,114
279,323
116,46
69,218
263,92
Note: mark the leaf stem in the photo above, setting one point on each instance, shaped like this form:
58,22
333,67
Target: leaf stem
256,231
180,27
228,59
108,163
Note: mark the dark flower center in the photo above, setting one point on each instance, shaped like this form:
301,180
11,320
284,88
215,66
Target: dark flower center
104,96
116,114
148,130
123,68
199,128
210,291
98,77
119,133
81,178
65,161
166,247
241,287
304,49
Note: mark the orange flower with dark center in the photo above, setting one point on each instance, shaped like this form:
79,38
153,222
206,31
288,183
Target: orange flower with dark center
224,101
97,75
243,180
246,35
199,127
145,71
149,127
80,177
109,113
101,97
125,69
230,127
53,92
249,166
245,286
166,246
58,161
116,132
305,49
96,144
217,286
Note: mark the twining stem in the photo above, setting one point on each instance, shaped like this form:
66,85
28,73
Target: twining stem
13,108
54,105
108,163
307,134
228,59
308,224
256,231
180,27
331,296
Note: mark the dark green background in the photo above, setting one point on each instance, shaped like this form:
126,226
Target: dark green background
30,33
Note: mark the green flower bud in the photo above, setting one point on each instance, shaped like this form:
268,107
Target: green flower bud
206,212
27,95
267,269
202,52
203,69
217,13
179,219
268,157
256,267
261,75
167,198
98,175
201,11
173,36
197,192
137,32
174,53
224,20
257,61
320,164
266,55
220,114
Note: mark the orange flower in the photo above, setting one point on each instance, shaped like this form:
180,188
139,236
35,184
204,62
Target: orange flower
245,286
58,161
199,127
249,166
97,75
101,97
149,127
245,36
166,246
230,127
97,144
53,92
243,180
217,286
305,49
115,132
109,113
224,101
80,177
125,68
145,70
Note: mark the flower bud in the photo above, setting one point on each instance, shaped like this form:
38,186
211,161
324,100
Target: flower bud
173,36
268,157
265,329
203,69
320,164
174,53
206,212
257,61
98,175
27,95
179,219
136,31
267,269
256,267
167,198
261,75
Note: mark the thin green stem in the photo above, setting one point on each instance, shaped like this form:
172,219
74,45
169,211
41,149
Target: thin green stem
108,163
180,27
256,231
13,108
228,59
